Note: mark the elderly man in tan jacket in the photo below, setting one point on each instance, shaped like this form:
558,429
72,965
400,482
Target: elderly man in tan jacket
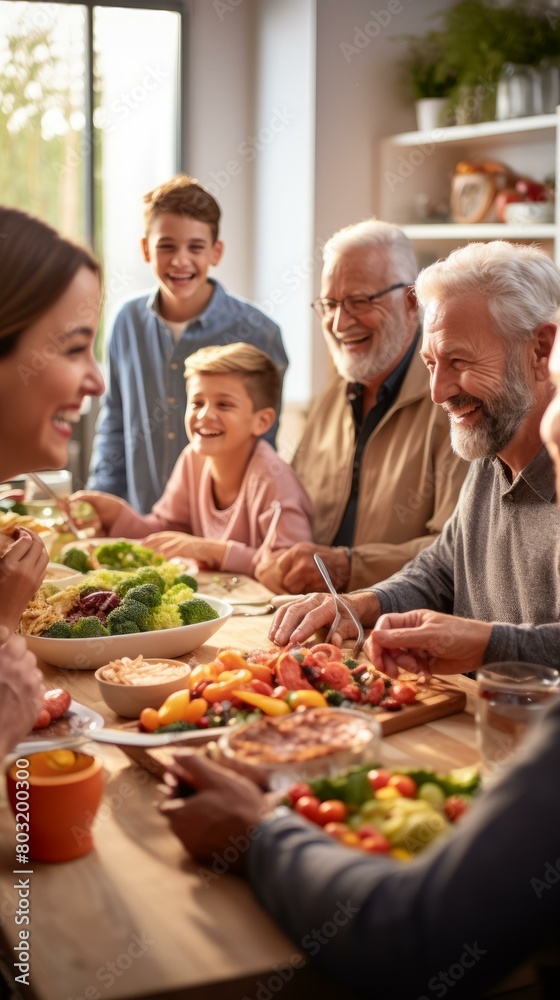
376,456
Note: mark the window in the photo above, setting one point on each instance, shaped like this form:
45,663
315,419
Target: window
91,119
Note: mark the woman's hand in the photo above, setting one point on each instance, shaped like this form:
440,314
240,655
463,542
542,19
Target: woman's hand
427,642
221,817
298,621
208,551
22,568
21,690
106,506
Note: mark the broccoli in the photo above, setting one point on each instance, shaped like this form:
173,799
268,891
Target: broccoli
124,555
164,616
128,611
177,594
76,559
150,575
123,628
104,579
48,589
58,630
147,594
88,628
169,573
189,581
196,611
122,588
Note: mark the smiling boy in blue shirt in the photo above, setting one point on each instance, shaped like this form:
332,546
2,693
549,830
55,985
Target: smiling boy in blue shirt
141,431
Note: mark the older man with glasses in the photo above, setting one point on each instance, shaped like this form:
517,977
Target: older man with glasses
375,457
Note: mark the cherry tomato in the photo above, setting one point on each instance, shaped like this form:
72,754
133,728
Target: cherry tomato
405,785
375,843
195,710
336,830
308,806
297,791
405,694
280,692
375,691
332,811
455,807
378,778
149,717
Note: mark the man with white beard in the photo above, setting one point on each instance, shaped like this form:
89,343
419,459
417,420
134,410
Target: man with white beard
375,457
488,331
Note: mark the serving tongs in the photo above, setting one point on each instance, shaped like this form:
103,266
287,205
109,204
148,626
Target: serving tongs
340,604
69,523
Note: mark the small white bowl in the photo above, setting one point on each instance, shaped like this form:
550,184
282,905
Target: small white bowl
63,576
529,213
89,654
129,700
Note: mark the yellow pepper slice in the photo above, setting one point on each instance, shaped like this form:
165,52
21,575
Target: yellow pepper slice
268,705
225,684
311,699
173,707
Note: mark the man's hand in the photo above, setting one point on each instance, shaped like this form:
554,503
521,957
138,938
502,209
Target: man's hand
298,621
209,551
223,814
106,506
427,642
21,690
22,569
299,575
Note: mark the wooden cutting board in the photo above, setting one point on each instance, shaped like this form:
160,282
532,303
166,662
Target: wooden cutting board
438,699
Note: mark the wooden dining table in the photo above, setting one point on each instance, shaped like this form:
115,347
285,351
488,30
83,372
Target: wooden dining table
137,917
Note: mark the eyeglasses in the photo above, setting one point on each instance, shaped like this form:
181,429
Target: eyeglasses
354,305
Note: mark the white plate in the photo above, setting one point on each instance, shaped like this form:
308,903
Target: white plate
89,654
72,727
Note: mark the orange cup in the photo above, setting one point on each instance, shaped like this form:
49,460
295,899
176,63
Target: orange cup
57,793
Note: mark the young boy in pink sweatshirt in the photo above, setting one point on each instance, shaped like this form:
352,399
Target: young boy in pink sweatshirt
226,485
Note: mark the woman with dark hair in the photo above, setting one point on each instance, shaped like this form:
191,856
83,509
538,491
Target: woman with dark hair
50,298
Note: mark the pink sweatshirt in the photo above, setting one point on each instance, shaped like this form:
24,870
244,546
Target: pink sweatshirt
188,505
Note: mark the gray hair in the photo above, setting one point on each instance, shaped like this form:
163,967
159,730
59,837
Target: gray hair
522,284
374,234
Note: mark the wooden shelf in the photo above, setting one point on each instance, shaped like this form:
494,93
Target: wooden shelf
481,231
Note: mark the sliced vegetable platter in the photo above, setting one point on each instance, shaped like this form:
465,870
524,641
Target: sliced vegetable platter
241,686
387,811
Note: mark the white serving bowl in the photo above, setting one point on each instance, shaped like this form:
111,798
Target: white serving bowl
527,213
89,654
129,700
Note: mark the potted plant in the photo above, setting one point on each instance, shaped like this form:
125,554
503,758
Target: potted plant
427,80
478,37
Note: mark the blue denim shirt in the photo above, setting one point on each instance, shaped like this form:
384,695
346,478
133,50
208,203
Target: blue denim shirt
141,431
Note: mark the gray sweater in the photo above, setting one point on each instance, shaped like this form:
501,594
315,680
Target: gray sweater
497,560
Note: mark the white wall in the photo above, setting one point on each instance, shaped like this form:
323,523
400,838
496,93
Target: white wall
318,60
221,67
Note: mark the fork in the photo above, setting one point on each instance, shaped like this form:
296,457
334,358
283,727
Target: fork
339,603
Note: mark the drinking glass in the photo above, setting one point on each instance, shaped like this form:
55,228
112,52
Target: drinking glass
511,698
